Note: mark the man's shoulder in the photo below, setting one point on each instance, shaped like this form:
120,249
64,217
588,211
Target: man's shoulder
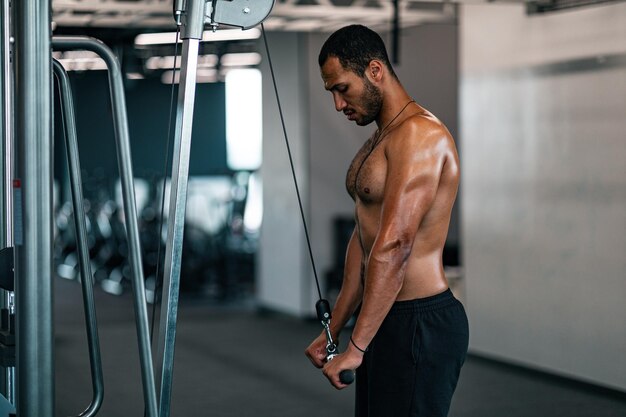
425,124
421,131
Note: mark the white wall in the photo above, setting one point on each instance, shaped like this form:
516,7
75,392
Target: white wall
543,131
282,266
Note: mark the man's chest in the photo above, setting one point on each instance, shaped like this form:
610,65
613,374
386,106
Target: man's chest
367,174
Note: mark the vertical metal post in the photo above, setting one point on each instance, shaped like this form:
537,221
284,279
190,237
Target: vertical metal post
33,227
6,235
395,32
193,21
6,150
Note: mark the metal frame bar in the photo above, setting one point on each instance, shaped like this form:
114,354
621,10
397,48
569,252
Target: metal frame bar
120,121
33,267
176,224
192,29
6,185
6,235
80,223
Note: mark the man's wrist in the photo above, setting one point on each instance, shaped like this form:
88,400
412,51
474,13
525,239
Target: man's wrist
358,348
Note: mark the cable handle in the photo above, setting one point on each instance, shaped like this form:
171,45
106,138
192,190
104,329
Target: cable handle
322,307
347,375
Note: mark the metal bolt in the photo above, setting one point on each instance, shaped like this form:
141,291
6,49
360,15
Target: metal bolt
246,10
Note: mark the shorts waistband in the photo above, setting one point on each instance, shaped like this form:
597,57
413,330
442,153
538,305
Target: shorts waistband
420,305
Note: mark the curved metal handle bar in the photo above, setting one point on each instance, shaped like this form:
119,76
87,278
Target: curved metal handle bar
71,144
120,122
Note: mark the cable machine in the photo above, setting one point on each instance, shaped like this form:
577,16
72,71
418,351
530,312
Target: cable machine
27,377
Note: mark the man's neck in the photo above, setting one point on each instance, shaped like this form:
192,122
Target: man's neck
394,102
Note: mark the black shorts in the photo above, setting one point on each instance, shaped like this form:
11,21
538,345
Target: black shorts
412,365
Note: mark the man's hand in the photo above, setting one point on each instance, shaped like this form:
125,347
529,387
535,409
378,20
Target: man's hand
316,352
350,359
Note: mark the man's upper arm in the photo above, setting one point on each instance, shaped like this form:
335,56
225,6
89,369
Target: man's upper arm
415,158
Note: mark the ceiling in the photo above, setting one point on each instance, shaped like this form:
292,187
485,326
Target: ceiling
118,22
287,15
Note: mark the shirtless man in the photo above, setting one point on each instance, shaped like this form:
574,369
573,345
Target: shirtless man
410,339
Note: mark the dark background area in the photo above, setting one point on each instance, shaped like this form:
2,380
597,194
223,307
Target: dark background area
148,105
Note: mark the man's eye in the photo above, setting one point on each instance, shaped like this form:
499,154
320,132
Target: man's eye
342,89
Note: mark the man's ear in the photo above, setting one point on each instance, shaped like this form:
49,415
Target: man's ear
375,70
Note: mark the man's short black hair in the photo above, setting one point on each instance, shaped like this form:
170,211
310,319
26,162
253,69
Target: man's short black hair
355,46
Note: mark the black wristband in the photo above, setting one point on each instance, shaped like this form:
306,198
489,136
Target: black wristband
358,348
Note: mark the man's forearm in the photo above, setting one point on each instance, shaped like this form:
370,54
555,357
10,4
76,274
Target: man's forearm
351,292
383,283
346,305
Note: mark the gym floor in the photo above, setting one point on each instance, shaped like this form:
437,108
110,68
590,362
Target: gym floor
232,361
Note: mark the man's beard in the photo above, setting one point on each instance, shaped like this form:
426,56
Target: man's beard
371,101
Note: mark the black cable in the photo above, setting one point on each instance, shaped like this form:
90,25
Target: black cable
293,171
157,281
322,306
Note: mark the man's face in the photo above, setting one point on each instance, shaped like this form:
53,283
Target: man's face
355,96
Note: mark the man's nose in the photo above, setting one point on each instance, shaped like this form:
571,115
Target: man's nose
340,103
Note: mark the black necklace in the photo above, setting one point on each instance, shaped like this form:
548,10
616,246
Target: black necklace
376,141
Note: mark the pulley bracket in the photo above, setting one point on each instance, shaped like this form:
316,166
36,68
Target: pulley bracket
241,13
